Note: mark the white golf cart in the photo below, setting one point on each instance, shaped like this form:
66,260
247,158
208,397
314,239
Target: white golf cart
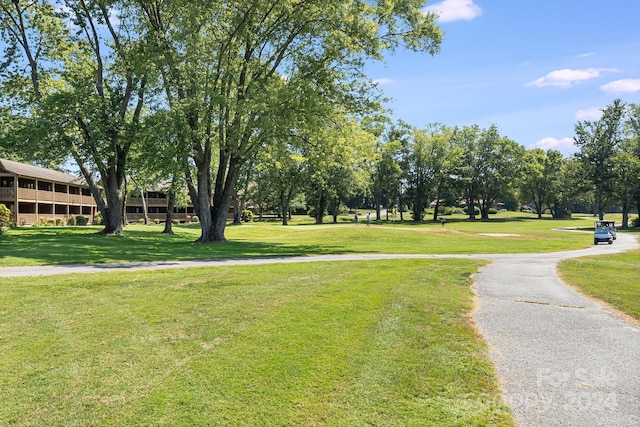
605,231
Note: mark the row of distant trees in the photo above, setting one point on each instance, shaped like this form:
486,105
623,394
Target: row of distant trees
400,166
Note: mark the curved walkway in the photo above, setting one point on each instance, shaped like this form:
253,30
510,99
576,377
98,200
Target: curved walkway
563,360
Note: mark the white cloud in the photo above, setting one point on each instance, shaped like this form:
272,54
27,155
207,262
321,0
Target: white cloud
550,143
585,55
455,10
589,114
383,81
567,77
622,86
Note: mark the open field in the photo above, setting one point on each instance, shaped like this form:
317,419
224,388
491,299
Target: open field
345,344
505,233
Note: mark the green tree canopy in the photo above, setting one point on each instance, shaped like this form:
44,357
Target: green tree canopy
242,76
599,142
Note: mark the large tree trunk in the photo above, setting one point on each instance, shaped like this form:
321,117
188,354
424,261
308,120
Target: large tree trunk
600,201
484,215
539,207
471,208
335,210
237,217
171,204
222,198
284,207
204,211
145,210
111,206
113,211
113,216
626,206
378,202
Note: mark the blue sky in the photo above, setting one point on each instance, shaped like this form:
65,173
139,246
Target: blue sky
533,68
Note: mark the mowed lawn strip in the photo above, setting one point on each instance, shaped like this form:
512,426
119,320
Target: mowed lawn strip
614,279
341,344
78,245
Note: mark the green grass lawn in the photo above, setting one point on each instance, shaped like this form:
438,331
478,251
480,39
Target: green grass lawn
614,279
505,233
339,344
345,344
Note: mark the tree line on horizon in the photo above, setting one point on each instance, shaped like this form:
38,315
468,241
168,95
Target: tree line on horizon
404,168
222,99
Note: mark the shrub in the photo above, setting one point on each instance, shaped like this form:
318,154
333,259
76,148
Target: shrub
71,221
636,222
247,215
156,221
448,210
5,214
5,219
195,219
97,220
493,211
82,220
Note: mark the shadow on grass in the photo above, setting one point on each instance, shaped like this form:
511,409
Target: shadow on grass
51,246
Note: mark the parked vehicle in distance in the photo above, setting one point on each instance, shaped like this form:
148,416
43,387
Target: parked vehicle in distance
611,225
603,232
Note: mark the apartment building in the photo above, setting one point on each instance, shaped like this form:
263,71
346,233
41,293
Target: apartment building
37,194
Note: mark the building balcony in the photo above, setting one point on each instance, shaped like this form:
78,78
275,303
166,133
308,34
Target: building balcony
7,194
26,194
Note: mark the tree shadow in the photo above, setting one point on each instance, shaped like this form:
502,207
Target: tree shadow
51,246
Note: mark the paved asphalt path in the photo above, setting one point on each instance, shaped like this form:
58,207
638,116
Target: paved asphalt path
563,360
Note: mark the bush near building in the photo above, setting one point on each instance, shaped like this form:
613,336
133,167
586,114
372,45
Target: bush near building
5,219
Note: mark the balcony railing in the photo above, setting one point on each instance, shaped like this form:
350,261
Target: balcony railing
7,193
26,193
45,196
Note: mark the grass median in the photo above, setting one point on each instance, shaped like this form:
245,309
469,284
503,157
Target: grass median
614,279
344,344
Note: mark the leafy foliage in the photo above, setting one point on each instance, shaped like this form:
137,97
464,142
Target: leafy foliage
5,219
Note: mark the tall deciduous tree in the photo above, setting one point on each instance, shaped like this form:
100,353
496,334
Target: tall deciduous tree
599,143
633,135
337,158
282,172
626,164
467,170
427,151
541,177
499,161
242,73
386,175
84,88
489,167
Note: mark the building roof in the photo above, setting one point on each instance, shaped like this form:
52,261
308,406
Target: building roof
36,172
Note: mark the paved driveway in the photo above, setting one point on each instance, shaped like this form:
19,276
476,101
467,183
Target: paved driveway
562,359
